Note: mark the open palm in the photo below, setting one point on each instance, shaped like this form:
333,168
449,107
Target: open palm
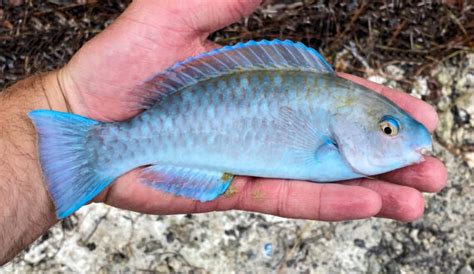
152,35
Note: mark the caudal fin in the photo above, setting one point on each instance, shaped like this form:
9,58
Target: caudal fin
65,160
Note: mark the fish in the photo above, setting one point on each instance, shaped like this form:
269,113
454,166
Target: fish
273,109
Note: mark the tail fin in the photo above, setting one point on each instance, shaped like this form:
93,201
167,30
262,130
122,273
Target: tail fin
65,160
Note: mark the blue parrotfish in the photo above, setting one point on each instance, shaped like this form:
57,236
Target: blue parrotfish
273,109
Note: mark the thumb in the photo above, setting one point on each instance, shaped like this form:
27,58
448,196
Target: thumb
210,15
192,16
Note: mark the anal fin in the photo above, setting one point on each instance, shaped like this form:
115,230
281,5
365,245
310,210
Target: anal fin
198,184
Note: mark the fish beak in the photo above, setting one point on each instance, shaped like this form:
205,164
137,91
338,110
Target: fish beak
422,152
425,151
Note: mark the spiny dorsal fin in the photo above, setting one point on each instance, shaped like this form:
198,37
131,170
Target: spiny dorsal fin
252,55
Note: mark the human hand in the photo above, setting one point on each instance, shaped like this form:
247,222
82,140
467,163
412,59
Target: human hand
149,37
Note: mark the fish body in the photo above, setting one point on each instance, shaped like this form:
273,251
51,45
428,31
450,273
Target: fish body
268,109
236,124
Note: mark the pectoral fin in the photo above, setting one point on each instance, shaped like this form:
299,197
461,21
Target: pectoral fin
302,136
198,184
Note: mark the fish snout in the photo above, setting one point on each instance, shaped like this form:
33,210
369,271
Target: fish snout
426,151
422,151
423,144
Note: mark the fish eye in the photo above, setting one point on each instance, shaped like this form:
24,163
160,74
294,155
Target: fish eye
389,126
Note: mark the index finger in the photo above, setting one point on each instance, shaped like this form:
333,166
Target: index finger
285,198
419,110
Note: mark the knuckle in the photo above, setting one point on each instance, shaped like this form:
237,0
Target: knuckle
282,200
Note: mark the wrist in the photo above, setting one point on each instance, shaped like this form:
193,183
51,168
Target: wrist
25,205
53,89
41,91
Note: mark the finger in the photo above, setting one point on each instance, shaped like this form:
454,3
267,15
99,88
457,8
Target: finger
428,176
398,202
206,16
193,16
291,199
419,110
356,199
304,200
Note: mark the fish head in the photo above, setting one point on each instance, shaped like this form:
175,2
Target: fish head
377,136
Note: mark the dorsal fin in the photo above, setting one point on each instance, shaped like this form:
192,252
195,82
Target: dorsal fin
275,54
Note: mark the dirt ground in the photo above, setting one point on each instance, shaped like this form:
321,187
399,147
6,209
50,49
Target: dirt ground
424,48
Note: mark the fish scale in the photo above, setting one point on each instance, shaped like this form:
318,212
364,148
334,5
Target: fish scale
271,109
207,138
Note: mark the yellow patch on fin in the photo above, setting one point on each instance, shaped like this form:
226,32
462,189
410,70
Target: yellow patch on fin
231,191
226,176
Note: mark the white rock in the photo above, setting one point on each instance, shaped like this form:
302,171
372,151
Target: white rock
420,87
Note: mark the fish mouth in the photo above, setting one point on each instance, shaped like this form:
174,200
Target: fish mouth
425,151
422,152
